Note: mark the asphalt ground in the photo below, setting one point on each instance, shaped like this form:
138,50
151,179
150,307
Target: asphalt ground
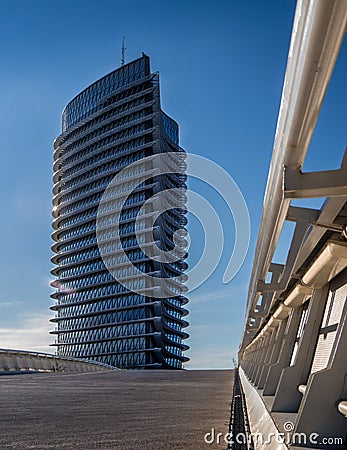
116,410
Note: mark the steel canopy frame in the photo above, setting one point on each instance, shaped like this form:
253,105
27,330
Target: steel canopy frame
318,32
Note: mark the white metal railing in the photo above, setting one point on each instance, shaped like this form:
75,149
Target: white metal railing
293,347
318,33
26,361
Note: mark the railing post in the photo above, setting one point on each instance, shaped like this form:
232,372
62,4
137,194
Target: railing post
288,398
325,389
284,354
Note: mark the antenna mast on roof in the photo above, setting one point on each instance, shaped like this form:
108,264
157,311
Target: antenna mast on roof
122,62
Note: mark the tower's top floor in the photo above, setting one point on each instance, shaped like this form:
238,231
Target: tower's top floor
89,100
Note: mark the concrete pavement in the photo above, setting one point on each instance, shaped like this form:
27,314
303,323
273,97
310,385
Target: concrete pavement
154,410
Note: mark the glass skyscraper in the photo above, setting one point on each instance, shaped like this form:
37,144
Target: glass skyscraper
116,301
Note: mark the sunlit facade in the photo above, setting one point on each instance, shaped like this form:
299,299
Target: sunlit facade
113,123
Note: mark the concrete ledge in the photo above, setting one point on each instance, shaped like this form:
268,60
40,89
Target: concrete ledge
260,420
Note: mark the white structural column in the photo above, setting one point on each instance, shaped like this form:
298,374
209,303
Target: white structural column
275,352
325,390
264,368
263,357
287,396
285,353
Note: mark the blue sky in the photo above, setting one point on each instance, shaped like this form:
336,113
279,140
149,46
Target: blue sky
221,65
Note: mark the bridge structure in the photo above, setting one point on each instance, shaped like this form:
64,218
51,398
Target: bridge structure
19,361
291,387
293,364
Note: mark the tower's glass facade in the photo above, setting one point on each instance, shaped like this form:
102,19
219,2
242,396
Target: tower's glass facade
112,124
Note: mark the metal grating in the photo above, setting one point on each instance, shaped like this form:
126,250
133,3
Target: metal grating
303,322
332,315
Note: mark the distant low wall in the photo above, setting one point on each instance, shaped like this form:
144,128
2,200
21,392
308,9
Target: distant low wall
24,361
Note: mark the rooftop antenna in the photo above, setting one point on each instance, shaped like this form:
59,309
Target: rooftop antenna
122,61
